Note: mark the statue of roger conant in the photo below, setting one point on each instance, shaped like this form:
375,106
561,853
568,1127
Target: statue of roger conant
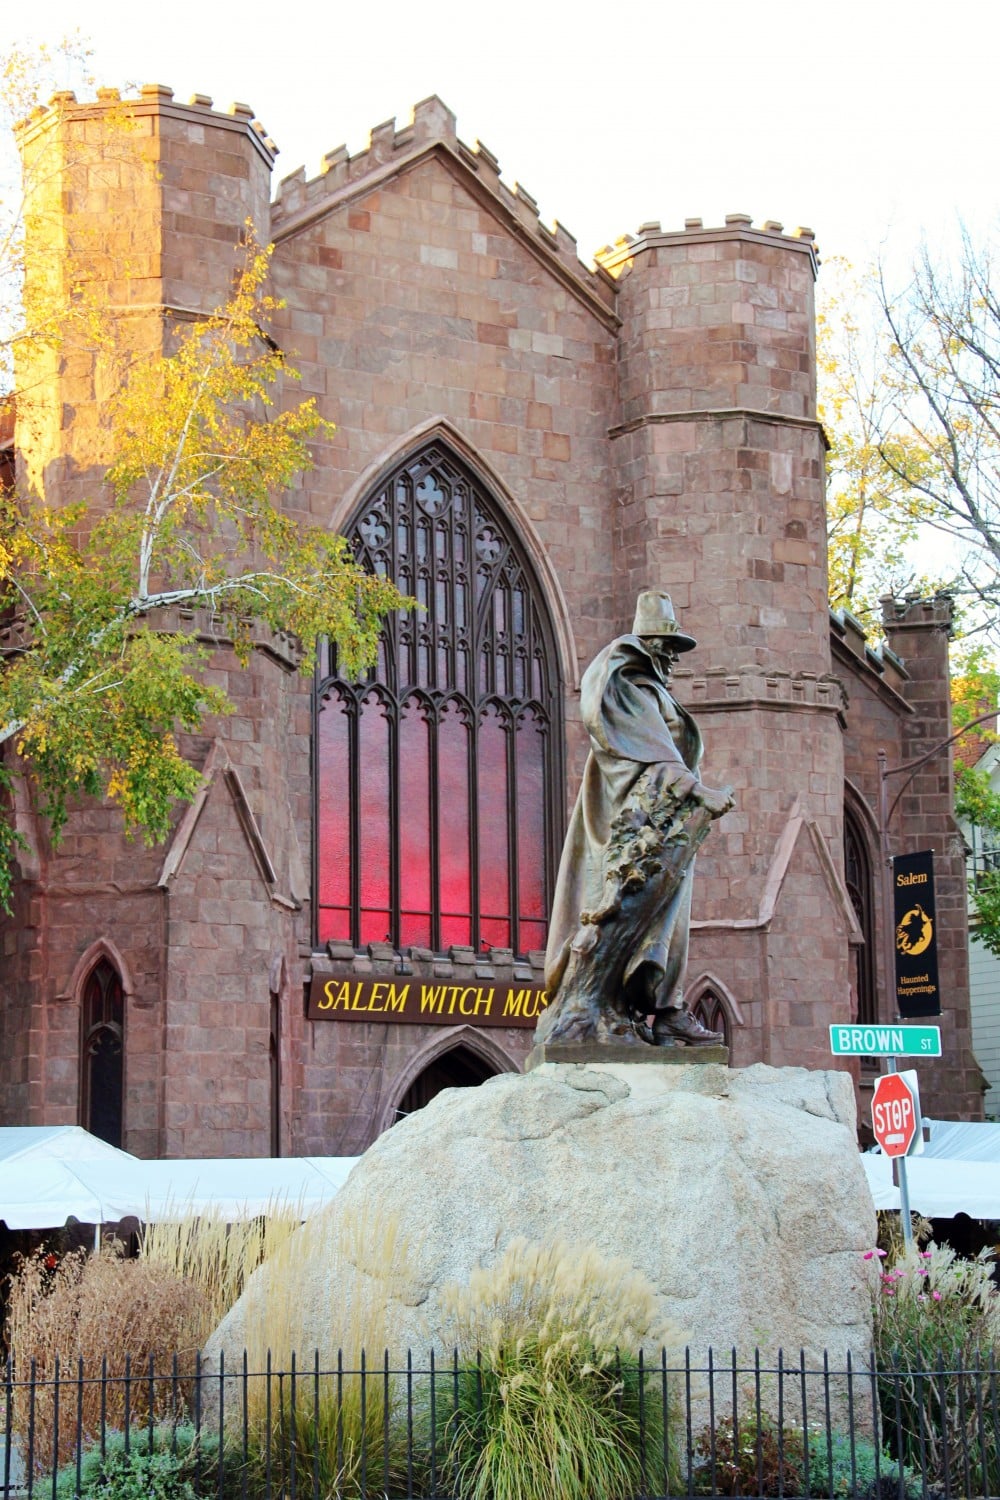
618,938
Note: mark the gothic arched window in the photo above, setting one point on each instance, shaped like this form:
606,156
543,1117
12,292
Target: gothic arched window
438,774
710,1011
858,877
102,1053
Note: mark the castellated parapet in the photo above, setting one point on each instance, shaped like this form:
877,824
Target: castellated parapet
345,178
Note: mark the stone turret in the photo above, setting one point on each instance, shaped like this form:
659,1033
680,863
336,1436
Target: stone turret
919,631
135,211
719,458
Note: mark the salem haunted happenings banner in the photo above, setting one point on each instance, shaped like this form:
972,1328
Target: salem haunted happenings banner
915,923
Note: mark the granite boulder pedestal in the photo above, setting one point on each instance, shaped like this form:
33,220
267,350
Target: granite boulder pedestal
739,1193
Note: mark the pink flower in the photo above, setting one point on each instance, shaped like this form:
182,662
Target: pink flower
936,1296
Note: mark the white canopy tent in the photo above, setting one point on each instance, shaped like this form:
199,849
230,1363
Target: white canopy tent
43,1175
51,1174
957,1173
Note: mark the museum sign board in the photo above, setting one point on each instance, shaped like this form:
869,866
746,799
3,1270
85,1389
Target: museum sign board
424,1002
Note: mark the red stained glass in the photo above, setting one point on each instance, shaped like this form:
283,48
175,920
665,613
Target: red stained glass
532,937
414,826
334,893
530,820
453,828
375,812
494,854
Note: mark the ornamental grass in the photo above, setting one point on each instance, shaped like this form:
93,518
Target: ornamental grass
109,1341
218,1257
547,1398
336,1426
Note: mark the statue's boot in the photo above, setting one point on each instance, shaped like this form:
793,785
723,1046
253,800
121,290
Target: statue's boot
673,1026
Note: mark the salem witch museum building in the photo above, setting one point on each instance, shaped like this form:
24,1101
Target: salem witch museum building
352,913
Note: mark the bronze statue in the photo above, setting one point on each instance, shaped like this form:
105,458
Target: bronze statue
618,937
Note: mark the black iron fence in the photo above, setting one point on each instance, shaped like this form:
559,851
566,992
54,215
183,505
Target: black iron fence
189,1430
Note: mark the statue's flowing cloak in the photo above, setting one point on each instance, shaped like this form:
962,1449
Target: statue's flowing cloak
633,723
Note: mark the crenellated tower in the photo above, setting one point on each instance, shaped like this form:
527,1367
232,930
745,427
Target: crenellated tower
720,499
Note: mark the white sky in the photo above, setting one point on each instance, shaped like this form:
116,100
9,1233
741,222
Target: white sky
871,121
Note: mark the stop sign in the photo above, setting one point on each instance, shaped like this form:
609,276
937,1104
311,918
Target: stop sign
896,1112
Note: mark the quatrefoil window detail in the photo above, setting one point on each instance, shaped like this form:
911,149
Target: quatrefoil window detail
488,546
430,496
374,530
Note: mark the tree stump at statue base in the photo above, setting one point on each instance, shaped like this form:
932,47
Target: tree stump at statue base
651,850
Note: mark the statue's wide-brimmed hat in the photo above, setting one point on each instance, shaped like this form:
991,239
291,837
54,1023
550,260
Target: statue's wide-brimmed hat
654,616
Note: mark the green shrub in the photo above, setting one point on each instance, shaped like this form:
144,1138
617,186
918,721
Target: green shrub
832,1471
169,1462
540,1403
754,1458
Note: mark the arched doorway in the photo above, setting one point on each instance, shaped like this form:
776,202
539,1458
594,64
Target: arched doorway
458,1068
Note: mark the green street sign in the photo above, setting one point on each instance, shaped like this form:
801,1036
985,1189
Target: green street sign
885,1041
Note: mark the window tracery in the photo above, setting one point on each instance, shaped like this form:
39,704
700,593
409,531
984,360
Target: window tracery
712,1013
438,774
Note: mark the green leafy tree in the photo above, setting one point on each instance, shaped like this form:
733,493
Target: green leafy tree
873,515
975,689
93,695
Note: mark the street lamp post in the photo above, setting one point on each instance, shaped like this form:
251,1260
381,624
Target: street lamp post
885,813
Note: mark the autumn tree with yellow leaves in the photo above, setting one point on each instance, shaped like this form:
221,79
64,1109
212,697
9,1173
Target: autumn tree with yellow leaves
94,688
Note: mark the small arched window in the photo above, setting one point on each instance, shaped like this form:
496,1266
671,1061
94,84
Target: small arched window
858,878
438,775
103,1053
710,1011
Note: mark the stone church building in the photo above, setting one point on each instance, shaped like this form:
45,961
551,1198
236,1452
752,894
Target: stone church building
351,914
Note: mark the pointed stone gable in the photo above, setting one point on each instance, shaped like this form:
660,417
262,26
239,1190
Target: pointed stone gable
346,181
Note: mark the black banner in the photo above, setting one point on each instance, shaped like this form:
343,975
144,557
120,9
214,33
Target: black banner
915,938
